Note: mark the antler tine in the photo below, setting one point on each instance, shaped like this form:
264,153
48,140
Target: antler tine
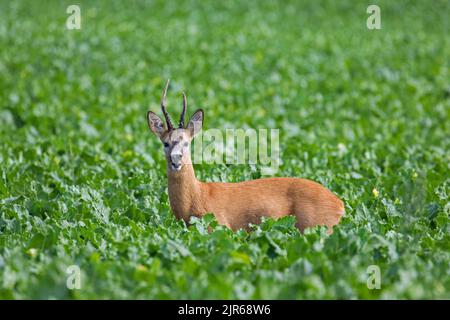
163,107
181,123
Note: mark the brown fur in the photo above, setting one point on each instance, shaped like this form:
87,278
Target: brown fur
235,205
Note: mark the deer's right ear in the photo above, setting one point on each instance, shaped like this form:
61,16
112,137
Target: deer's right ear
155,124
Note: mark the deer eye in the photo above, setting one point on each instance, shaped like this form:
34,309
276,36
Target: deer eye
166,145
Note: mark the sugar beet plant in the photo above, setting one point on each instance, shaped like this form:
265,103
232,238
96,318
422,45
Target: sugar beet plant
364,112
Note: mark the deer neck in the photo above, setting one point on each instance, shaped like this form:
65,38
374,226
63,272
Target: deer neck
184,192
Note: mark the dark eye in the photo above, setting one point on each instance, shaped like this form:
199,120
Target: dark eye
166,145
185,144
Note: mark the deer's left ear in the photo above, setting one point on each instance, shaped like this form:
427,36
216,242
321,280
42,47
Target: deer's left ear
155,124
195,124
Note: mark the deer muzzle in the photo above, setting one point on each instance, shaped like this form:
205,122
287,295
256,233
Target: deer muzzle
175,158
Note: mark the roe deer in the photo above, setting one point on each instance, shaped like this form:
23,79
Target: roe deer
235,205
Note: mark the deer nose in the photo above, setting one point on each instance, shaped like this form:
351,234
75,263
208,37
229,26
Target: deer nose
176,157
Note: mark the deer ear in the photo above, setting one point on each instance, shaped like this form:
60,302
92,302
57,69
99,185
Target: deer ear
195,124
155,124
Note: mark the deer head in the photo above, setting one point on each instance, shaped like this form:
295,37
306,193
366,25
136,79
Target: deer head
176,141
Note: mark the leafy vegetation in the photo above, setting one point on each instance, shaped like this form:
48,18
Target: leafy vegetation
82,180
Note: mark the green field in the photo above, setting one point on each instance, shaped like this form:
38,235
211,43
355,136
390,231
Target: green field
364,112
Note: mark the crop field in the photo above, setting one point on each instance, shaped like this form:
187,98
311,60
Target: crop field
83,181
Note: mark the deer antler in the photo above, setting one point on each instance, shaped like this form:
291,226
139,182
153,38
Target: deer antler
181,122
163,107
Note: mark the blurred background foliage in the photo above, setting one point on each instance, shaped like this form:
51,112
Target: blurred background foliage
82,181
